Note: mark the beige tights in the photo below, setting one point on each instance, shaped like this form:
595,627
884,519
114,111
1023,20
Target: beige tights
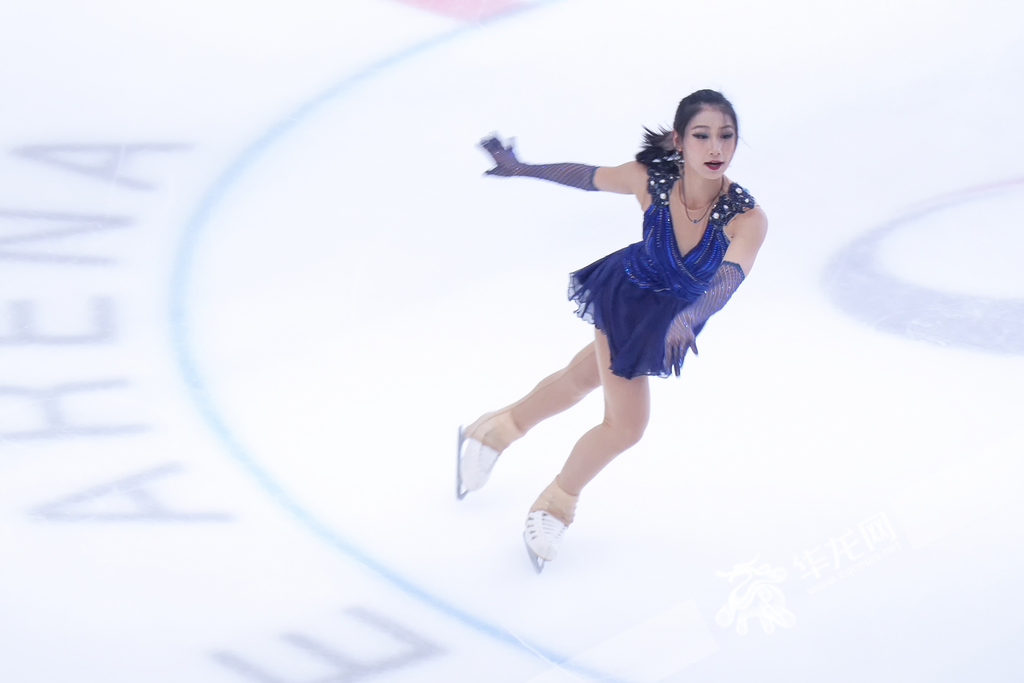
626,412
552,395
556,501
627,408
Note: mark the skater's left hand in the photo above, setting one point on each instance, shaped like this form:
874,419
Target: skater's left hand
679,340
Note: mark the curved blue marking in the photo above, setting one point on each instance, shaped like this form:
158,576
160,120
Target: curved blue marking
857,283
201,395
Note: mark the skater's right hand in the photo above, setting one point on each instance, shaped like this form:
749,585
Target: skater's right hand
506,163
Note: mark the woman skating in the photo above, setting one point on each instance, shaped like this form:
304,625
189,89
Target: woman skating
648,301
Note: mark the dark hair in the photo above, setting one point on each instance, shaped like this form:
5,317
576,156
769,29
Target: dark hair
658,145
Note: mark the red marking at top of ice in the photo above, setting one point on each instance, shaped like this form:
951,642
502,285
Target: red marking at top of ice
467,10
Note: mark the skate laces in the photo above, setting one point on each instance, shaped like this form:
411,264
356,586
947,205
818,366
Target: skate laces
541,524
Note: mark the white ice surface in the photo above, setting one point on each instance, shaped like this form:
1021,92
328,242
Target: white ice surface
319,287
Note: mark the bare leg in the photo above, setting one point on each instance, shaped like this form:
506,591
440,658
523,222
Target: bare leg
627,408
552,395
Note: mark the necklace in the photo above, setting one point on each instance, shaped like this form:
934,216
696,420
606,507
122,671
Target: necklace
682,197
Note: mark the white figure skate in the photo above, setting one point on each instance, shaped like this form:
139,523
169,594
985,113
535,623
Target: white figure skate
543,536
474,464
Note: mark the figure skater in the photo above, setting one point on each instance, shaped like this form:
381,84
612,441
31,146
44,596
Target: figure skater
648,301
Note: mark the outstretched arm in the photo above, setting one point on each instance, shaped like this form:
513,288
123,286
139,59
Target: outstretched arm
625,179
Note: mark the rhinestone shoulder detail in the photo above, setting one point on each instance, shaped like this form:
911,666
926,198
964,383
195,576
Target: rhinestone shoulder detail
659,184
734,201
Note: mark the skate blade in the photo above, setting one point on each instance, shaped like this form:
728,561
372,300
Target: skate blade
460,492
536,560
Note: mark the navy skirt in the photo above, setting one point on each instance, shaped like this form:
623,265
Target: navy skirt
635,319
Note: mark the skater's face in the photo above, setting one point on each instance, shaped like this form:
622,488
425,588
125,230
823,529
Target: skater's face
708,143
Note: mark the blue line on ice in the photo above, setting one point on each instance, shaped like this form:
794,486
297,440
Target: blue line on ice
201,396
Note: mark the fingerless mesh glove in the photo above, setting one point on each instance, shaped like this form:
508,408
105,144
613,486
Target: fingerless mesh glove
507,165
684,328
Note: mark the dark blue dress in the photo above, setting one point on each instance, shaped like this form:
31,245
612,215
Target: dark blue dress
634,294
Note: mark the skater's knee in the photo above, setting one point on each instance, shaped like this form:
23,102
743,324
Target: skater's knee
628,432
634,433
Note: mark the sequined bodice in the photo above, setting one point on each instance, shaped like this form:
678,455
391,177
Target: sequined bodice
656,262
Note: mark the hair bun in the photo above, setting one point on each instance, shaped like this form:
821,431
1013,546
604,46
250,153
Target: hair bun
657,151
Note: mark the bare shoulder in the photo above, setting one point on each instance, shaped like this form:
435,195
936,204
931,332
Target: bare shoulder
629,178
749,225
